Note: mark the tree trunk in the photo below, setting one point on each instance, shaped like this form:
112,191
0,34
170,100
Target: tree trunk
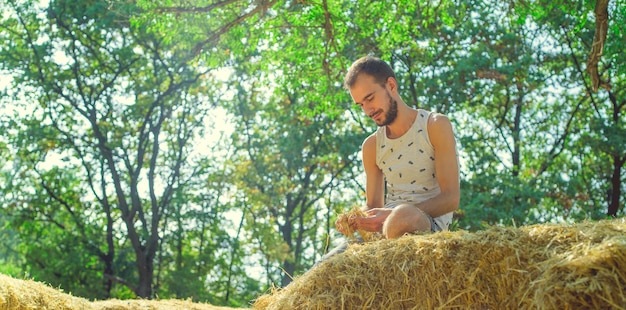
517,136
286,230
289,267
109,257
618,161
108,282
616,186
233,256
145,268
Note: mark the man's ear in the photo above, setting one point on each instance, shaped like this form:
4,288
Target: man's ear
392,84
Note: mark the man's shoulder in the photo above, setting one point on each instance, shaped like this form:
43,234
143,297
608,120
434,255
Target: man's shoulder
440,129
438,119
370,141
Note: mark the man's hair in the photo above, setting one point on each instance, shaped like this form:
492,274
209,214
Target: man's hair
379,69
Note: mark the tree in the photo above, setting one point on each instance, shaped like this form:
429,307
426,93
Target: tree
122,108
287,163
110,169
291,141
602,130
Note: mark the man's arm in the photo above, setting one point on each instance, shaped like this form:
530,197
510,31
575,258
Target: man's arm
374,182
442,139
374,189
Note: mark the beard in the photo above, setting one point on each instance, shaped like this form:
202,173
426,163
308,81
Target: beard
391,114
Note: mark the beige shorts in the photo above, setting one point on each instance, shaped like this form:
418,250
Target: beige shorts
434,227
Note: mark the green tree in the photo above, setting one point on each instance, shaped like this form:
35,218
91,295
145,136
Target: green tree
597,149
288,161
294,142
106,167
123,108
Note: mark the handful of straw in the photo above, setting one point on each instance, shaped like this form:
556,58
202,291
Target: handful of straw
346,225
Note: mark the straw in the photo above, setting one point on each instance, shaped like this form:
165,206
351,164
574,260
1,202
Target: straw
549,266
16,294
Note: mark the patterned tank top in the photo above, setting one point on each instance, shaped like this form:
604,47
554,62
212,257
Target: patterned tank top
408,164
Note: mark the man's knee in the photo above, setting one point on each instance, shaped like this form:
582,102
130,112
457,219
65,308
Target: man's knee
405,219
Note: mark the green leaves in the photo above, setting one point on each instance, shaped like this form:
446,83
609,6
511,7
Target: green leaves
114,99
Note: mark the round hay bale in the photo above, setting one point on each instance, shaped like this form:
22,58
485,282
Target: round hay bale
546,266
16,294
27,294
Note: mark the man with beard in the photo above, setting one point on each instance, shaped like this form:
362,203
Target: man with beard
412,155
413,151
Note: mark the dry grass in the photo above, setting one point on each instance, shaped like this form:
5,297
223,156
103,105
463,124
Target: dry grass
345,223
26,294
153,304
580,266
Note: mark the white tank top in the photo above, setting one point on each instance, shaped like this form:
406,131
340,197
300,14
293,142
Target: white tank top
408,164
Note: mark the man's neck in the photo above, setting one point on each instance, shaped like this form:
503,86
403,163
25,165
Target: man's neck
402,124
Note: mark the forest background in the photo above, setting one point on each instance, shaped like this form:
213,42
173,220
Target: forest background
203,149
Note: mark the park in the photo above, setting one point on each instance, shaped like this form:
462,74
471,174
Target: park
197,154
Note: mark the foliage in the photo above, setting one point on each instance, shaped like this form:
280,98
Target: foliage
117,109
116,171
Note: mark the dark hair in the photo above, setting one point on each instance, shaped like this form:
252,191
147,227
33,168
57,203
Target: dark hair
379,69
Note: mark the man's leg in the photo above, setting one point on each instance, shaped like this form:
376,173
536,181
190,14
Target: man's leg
342,247
404,219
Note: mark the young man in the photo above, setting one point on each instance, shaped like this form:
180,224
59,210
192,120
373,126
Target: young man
413,150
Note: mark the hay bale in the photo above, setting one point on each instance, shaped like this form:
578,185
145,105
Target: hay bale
579,266
165,304
28,295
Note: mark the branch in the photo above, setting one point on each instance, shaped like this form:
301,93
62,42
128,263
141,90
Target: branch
559,144
218,33
602,24
194,9
580,71
121,281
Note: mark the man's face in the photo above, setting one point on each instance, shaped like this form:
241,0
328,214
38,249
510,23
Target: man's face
375,100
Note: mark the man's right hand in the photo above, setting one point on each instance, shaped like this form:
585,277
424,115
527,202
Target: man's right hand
374,220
